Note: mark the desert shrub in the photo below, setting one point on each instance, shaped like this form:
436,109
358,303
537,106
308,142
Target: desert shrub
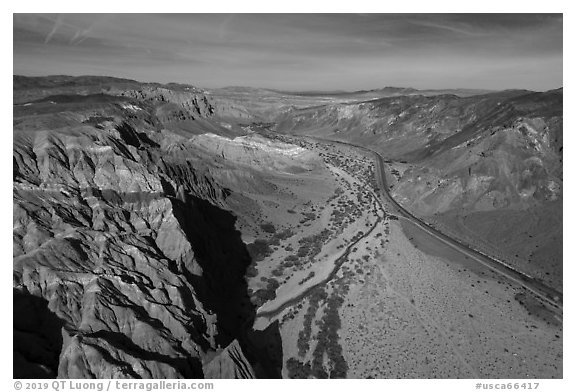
268,228
274,241
312,245
327,342
266,294
309,215
316,297
272,284
297,369
291,258
259,250
303,251
284,234
262,296
287,264
307,278
252,271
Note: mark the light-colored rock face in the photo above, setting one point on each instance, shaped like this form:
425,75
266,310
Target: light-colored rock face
517,165
101,273
229,363
95,235
257,152
119,246
126,258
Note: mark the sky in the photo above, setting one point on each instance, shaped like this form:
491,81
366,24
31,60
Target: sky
297,51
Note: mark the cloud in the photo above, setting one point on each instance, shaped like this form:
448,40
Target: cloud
82,34
341,51
57,23
223,28
451,28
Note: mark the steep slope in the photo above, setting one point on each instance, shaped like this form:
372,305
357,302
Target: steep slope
226,364
487,168
181,108
164,231
255,151
400,126
246,104
125,249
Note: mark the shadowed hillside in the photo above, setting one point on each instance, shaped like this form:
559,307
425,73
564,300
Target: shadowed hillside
126,250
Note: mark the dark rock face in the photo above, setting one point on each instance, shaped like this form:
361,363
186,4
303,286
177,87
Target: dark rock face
191,105
126,258
37,337
124,253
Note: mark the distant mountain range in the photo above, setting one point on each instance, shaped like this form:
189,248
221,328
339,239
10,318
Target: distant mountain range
127,197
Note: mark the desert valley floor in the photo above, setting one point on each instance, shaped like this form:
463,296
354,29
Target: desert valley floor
169,231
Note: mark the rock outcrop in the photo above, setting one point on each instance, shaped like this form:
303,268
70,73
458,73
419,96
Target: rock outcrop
124,253
172,105
229,363
255,151
126,258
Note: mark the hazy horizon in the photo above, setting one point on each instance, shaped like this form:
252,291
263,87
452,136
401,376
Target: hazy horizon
307,52
302,90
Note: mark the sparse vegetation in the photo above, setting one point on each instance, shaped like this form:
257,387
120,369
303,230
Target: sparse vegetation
266,294
312,245
307,278
316,296
298,369
268,228
259,250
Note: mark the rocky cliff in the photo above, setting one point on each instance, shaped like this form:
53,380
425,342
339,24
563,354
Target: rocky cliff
183,108
255,151
126,261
